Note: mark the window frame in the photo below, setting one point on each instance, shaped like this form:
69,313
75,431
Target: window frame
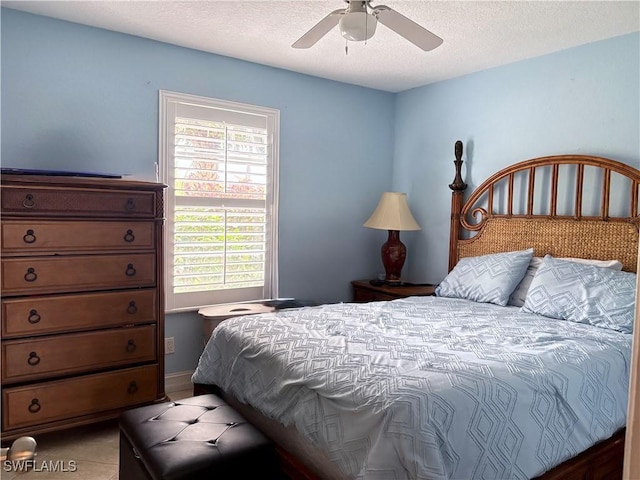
166,130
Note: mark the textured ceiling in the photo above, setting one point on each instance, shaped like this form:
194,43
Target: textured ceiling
477,35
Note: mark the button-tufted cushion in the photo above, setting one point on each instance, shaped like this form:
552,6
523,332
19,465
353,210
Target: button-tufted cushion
198,437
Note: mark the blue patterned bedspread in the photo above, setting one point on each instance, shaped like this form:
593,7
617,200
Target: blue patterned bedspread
427,387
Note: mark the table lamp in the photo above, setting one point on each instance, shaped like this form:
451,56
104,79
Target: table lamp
393,214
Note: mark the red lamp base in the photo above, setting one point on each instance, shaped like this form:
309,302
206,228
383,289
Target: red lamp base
394,254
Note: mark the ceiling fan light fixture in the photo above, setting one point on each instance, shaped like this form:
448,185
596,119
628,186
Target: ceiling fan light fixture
358,26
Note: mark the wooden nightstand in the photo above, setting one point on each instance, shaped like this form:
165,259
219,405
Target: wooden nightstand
363,291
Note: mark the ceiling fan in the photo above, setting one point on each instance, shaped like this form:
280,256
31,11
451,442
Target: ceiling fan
358,23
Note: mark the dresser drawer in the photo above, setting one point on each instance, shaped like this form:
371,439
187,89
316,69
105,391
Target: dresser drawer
55,314
77,273
62,399
77,202
22,237
33,359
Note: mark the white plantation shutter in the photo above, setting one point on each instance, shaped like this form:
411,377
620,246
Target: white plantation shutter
219,160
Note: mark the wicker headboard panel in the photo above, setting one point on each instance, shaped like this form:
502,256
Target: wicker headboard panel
519,207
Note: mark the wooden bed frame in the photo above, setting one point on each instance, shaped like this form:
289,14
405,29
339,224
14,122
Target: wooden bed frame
498,216
478,227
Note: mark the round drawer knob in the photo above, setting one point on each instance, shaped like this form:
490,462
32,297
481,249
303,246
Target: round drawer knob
29,201
133,388
129,236
34,316
132,308
35,406
33,359
31,275
29,237
131,346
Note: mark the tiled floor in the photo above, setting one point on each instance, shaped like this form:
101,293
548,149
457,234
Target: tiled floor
83,453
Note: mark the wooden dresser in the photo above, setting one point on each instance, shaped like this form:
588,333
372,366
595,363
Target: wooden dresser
82,300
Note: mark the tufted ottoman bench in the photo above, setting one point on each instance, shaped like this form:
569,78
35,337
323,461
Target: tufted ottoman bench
195,438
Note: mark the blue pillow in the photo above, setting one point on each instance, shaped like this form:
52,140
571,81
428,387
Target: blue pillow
583,293
487,278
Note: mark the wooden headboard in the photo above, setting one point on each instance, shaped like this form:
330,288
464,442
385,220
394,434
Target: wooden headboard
564,205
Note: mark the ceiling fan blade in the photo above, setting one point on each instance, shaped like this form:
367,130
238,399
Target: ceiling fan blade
319,30
419,36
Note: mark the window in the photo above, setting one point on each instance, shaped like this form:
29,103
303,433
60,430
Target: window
220,162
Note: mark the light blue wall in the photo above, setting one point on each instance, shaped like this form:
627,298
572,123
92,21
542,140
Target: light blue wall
81,98
76,97
581,100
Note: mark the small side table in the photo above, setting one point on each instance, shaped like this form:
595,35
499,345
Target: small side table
212,316
364,291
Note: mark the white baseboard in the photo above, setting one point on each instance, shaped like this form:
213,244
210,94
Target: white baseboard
176,382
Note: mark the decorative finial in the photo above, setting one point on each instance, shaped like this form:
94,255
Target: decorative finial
458,183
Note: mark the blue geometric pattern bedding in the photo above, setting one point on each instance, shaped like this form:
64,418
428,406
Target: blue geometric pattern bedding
426,387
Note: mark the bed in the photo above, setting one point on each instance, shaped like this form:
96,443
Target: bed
503,375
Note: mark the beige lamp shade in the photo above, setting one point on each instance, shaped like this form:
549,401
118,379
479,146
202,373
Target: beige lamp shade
392,213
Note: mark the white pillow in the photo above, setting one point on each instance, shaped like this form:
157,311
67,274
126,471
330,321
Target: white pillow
519,295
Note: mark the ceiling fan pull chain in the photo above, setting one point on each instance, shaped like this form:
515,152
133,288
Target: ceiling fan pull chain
346,47
366,25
